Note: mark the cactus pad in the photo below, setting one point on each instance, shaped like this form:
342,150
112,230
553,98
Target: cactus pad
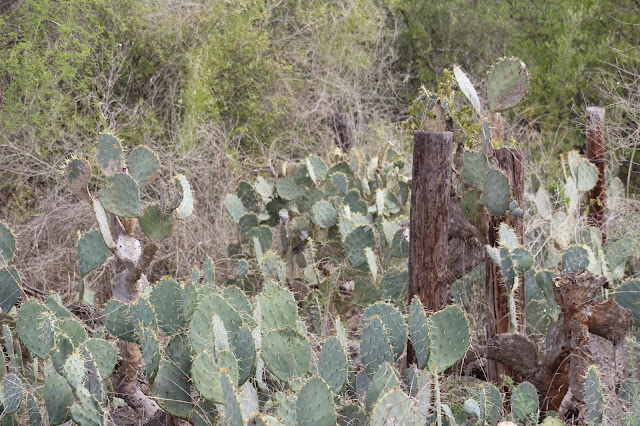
92,251
171,389
201,327
419,332
234,207
287,189
12,390
467,88
317,168
121,196
315,404
232,411
449,338
109,154
356,242
150,351
142,165
104,355
394,324
7,245
205,372
575,258
628,296
394,408
324,214
118,320
490,401
30,328
507,84
155,223
375,347
475,167
524,403
166,299
286,353
586,175
58,398
496,192
333,364
278,307
10,290
77,173
593,397
383,380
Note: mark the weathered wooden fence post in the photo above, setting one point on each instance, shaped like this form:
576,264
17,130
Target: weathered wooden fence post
594,123
429,222
510,160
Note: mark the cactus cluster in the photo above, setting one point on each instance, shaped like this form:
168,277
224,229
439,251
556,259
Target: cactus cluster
347,217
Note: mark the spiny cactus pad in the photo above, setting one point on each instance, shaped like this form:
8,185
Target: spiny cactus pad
104,355
333,365
355,243
419,332
593,396
449,338
121,195
384,379
30,328
10,290
166,299
324,214
507,84
394,324
575,258
185,208
628,296
150,352
119,321
205,372
375,347
278,306
7,245
475,167
286,353
490,401
155,223
142,165
92,251
109,154
77,173
524,403
394,408
201,327
58,398
315,404
171,389
287,189
496,192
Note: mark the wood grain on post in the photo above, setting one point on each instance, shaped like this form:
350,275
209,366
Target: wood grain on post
510,160
594,123
429,221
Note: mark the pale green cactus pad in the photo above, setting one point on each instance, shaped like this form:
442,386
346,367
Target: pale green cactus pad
507,84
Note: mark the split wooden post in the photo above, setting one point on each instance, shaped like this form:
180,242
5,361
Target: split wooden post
510,160
594,123
429,221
